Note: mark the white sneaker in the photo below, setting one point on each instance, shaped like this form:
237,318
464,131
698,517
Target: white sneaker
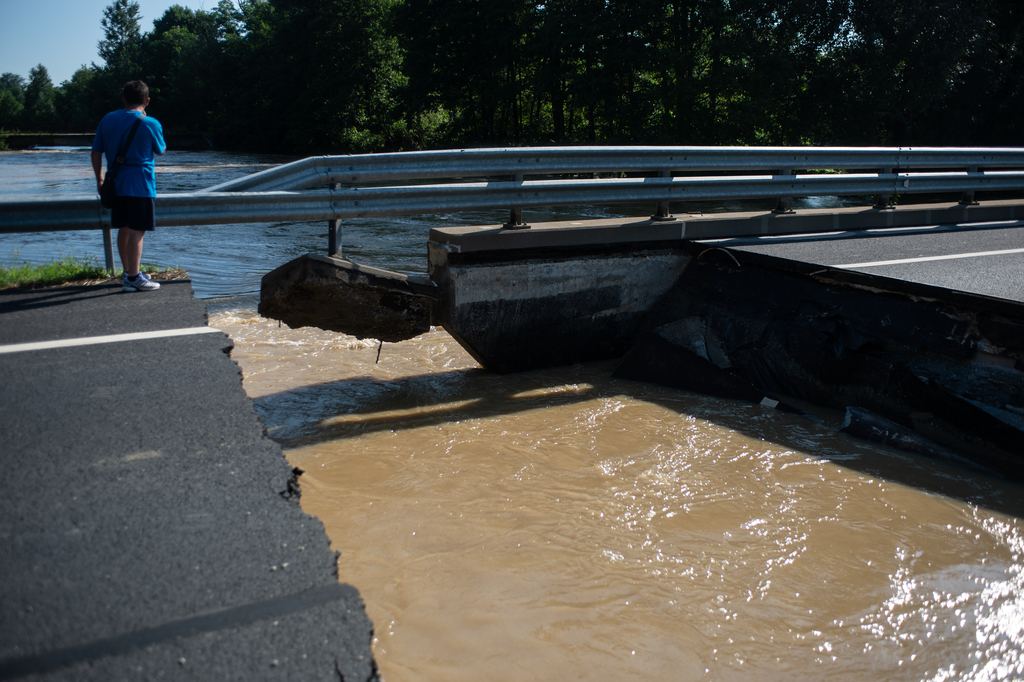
141,283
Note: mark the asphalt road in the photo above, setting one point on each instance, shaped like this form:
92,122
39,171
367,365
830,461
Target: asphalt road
148,525
981,258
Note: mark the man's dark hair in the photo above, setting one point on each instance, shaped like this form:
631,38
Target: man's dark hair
135,93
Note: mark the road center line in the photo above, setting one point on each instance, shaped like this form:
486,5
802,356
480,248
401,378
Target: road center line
111,338
923,259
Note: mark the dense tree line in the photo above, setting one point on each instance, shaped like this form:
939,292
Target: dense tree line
328,76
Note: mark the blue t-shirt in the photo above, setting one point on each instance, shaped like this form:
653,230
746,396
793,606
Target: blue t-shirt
137,176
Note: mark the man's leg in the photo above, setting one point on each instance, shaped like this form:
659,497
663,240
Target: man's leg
122,248
129,246
140,216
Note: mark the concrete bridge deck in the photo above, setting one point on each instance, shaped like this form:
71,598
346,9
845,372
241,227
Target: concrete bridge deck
982,258
150,528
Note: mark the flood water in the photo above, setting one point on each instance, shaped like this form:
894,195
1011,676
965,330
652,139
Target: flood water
562,524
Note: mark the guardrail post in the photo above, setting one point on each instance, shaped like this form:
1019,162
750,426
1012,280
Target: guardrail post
968,198
108,250
782,204
662,212
334,231
515,220
882,200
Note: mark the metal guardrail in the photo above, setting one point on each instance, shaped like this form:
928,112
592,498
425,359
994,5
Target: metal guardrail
214,208
283,194
475,163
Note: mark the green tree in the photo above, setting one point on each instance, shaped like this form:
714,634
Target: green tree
248,112
14,84
780,45
630,105
196,22
321,76
121,46
469,57
228,19
181,55
40,106
80,102
12,100
10,111
339,73
899,72
992,91
566,53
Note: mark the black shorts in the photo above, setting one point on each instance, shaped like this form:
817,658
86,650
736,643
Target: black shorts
137,213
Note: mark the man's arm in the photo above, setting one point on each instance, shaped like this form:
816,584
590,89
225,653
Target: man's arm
159,146
97,168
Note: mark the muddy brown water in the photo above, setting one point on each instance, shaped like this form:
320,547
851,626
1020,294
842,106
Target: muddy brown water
563,524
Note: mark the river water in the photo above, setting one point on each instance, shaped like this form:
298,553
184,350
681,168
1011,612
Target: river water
562,524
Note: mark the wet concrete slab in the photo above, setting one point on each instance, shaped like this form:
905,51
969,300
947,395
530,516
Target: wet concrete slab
150,527
342,296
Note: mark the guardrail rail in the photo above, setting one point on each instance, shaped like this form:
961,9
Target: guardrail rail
334,188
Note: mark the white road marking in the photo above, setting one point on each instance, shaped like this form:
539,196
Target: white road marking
977,254
111,338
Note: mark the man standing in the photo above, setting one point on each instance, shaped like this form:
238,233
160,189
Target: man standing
134,211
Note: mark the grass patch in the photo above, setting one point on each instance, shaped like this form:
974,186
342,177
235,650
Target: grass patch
67,269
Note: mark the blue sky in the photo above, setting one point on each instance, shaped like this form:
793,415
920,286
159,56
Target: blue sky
62,34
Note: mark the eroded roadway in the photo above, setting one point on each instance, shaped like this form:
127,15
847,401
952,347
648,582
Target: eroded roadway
148,525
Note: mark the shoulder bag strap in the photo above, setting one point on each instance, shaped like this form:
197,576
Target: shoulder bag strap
116,166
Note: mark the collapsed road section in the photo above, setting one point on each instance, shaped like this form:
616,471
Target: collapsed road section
921,367
937,368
